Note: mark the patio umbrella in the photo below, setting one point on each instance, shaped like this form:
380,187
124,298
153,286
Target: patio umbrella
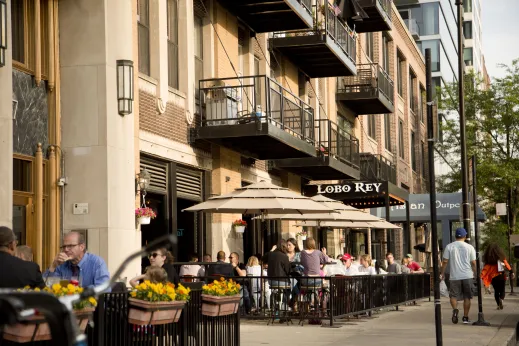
261,198
380,224
343,213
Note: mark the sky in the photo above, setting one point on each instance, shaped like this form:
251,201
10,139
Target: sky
500,31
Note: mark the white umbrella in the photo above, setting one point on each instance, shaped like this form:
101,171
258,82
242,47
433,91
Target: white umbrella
261,198
380,224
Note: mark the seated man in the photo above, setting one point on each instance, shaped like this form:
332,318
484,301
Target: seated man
220,268
74,262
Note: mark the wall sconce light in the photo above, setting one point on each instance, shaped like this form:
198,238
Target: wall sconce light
124,86
3,31
143,181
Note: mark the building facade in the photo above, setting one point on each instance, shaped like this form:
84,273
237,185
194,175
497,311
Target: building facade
222,98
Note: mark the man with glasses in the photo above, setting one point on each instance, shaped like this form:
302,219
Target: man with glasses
16,273
75,263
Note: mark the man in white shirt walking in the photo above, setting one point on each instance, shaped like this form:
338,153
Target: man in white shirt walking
461,259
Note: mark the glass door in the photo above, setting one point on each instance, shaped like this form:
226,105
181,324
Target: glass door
22,219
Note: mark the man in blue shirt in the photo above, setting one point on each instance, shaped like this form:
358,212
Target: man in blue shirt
75,262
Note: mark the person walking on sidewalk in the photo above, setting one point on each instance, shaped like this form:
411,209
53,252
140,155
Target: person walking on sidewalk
461,259
494,272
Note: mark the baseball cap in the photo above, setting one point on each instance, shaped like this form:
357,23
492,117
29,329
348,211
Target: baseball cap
346,257
409,256
461,233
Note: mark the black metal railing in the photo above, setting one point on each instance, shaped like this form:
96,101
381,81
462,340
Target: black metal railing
327,22
385,5
111,326
241,100
334,142
370,79
377,167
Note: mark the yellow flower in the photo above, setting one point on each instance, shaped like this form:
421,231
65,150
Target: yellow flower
133,294
92,301
150,294
56,287
37,289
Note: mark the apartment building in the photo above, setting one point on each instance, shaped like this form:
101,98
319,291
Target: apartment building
206,96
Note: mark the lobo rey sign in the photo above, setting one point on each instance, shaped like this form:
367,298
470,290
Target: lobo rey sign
357,187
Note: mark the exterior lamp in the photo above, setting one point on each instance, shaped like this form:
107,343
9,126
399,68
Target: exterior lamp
124,86
143,180
3,31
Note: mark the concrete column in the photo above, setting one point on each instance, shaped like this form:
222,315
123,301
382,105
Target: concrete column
6,133
97,141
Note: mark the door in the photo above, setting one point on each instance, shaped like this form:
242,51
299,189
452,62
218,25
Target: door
23,226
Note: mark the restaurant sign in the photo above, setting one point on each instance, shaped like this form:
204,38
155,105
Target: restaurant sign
368,188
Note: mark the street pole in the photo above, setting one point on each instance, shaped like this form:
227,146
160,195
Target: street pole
481,318
508,212
432,195
465,204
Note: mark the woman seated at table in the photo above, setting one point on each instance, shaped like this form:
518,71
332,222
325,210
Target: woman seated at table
312,259
161,258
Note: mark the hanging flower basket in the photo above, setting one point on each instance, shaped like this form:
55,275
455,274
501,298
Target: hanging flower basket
220,298
144,215
301,235
239,225
156,303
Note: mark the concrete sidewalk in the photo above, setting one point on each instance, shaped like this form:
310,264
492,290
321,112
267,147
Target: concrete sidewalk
413,324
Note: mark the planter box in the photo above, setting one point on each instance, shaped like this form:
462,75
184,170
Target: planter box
239,229
36,329
145,313
144,220
219,306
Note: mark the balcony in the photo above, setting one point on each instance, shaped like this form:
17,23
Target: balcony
412,26
377,167
371,91
337,156
379,16
256,117
326,50
267,16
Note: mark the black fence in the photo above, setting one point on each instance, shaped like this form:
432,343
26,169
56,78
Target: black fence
377,167
111,326
334,142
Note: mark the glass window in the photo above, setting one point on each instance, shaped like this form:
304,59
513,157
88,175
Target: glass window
421,104
344,124
372,126
467,56
434,45
143,19
467,5
413,151
22,174
400,75
401,151
387,131
18,30
19,223
199,52
413,102
427,17
467,29
385,53
173,43
369,45
423,158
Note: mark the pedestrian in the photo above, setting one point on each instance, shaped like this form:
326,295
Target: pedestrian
16,273
461,259
494,272
75,263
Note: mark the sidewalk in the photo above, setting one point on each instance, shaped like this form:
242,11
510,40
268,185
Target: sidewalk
411,324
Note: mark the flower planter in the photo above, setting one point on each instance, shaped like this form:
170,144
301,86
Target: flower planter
145,313
144,220
36,329
219,306
239,229
303,237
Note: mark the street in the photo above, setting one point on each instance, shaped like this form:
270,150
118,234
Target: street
409,324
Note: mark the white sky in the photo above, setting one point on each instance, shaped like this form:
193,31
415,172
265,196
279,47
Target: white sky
500,29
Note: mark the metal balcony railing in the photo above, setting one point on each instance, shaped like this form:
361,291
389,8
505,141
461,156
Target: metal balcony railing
412,26
326,21
334,142
377,167
242,100
370,78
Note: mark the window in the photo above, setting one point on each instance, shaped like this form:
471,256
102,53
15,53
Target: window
385,53
400,74
467,5
430,19
401,139
241,52
387,131
199,53
467,56
345,126
423,158
434,45
173,43
421,104
372,126
413,151
413,100
18,31
369,45
301,83
275,67
467,30
143,19
22,173
257,87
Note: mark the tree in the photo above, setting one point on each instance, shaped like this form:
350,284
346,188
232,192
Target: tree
492,127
